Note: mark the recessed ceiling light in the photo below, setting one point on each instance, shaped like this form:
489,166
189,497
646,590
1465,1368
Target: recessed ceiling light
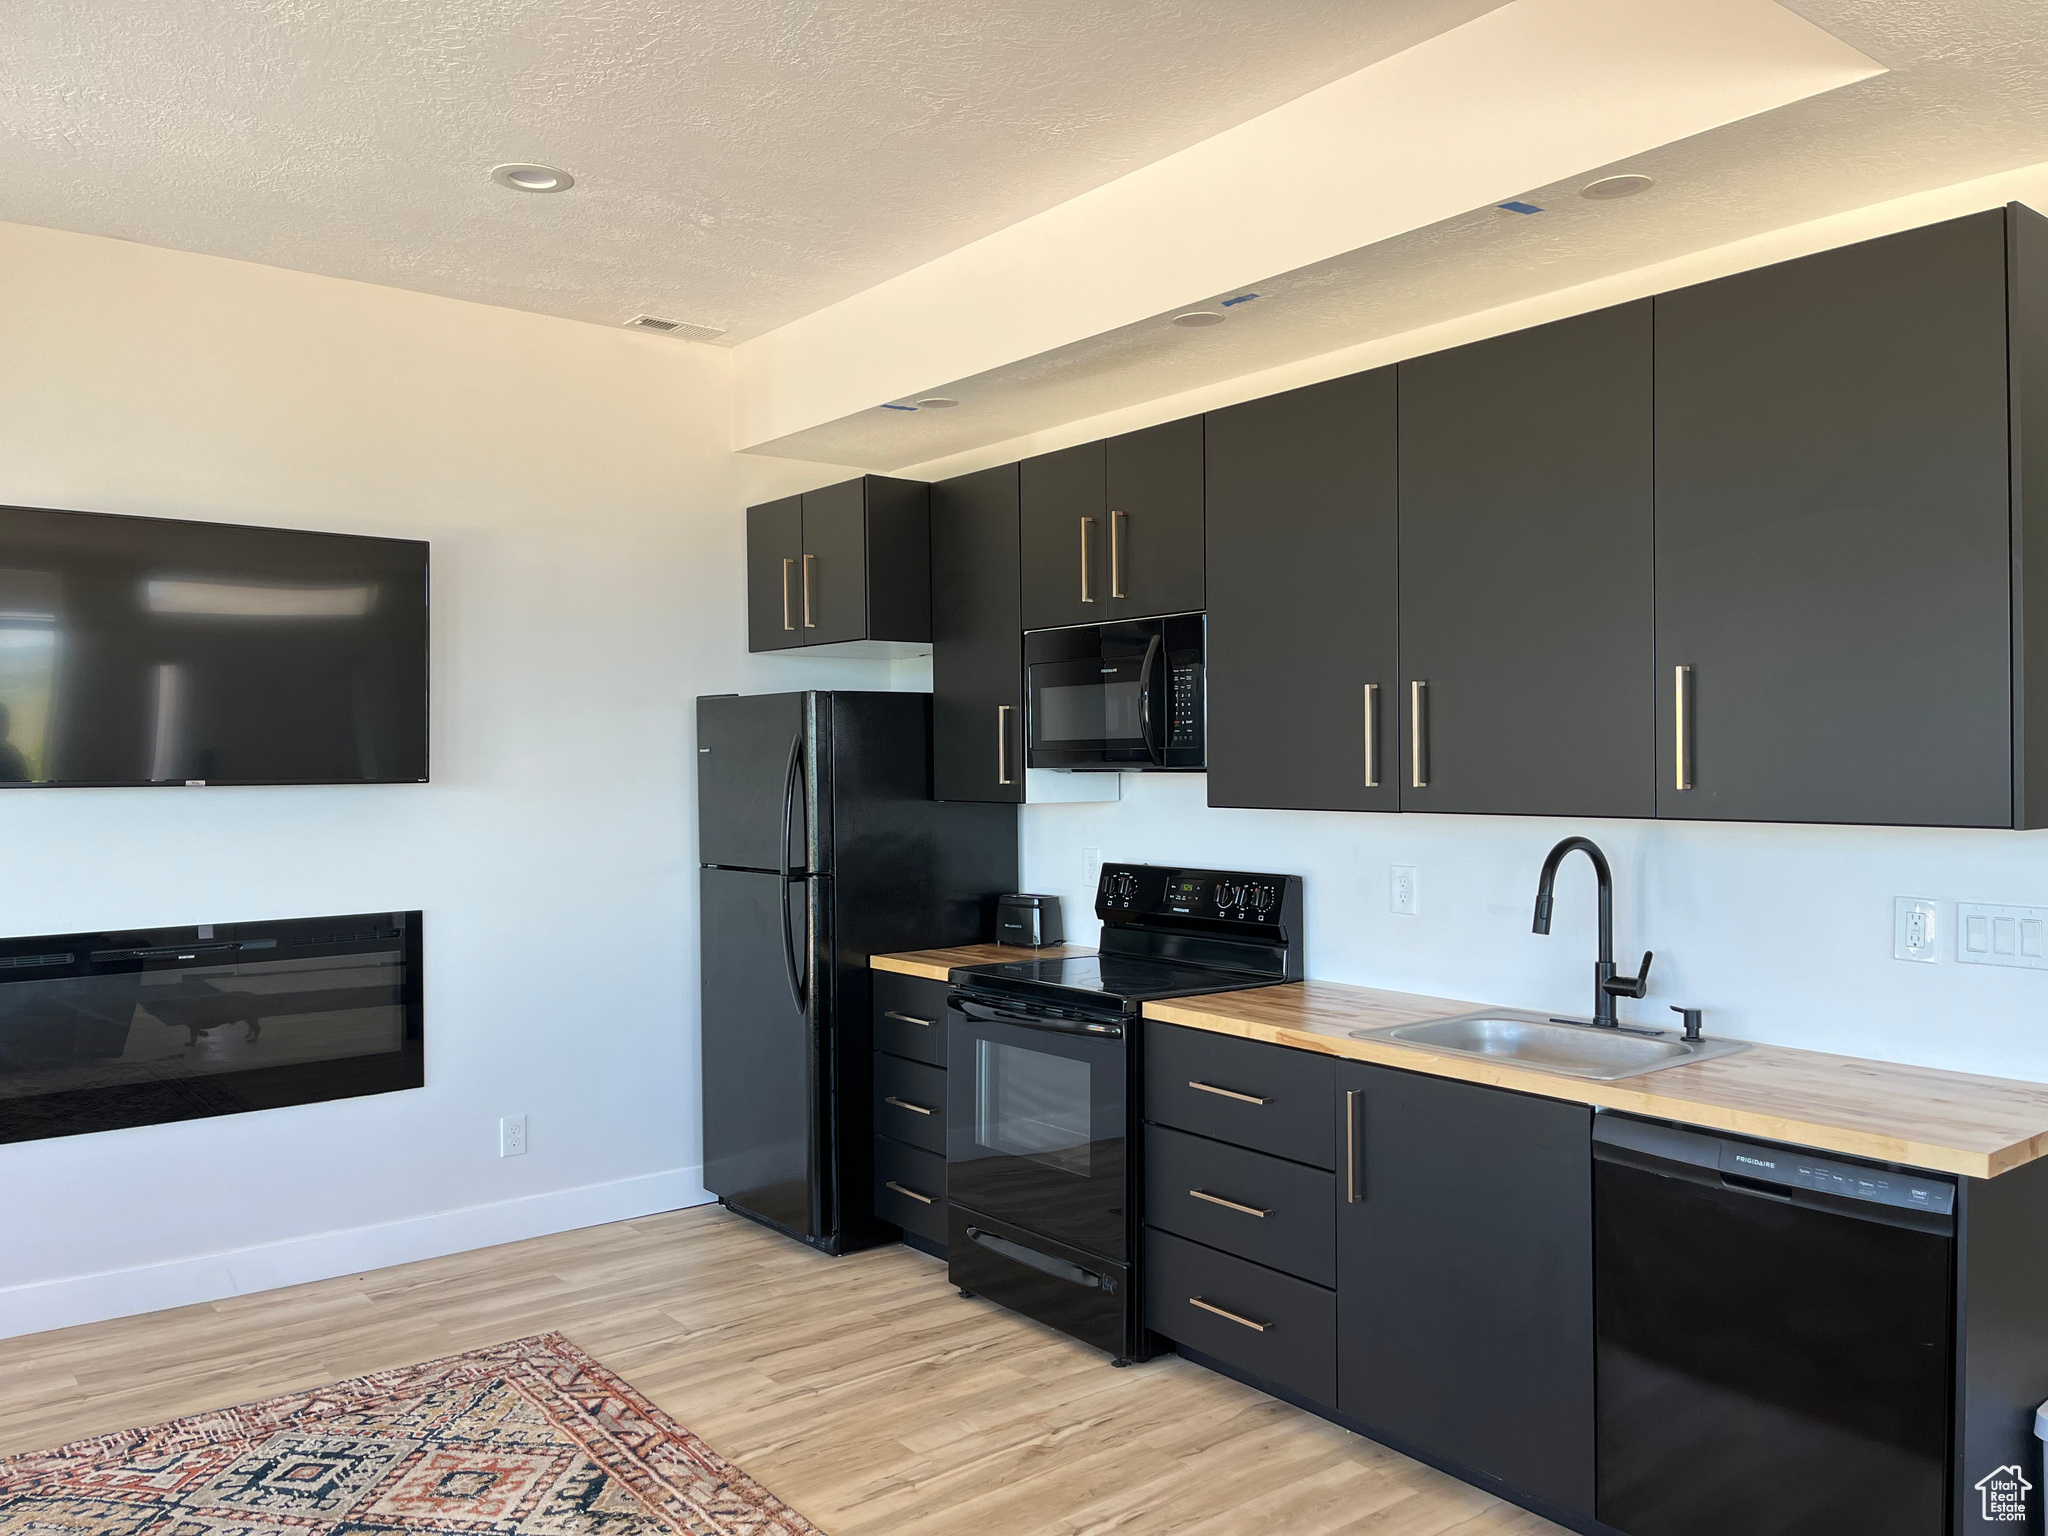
936,403
532,178
1198,317
1614,186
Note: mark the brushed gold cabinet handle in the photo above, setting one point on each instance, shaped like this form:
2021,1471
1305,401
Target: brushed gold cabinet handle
1230,1205
1418,733
1352,1193
1003,743
915,1109
786,624
1086,524
807,591
1681,696
1116,563
1372,735
1228,1093
921,1199
1242,1322
907,1018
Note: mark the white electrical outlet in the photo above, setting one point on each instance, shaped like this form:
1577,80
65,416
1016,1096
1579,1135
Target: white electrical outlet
1995,935
1913,929
512,1136
1404,896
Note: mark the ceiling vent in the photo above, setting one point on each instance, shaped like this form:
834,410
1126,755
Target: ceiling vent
682,328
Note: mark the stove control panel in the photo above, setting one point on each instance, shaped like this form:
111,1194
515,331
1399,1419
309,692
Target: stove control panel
1219,894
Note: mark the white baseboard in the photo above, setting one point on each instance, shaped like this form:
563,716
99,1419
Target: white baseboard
48,1304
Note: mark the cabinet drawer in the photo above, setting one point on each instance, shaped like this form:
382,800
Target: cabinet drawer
1264,1323
910,1188
1266,1097
1262,1208
910,1017
910,1102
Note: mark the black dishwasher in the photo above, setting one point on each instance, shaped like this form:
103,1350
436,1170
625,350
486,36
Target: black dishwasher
1776,1338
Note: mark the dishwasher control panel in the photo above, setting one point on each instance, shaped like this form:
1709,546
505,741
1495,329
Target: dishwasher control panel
1852,1181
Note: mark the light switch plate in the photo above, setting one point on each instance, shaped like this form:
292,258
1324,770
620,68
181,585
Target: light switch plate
1995,935
1913,919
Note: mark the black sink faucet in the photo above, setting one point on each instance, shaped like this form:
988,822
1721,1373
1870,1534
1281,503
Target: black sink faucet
1606,985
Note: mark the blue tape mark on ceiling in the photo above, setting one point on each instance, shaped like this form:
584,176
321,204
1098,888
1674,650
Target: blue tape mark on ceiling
1520,207
1242,298
899,407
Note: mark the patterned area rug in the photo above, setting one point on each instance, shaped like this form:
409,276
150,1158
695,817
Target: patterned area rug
531,1438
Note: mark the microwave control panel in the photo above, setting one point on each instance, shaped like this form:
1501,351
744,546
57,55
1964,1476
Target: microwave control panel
1184,704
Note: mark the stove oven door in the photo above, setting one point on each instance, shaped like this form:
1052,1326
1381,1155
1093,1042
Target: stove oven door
1036,1125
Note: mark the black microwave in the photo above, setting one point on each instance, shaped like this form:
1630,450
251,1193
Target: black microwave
1127,696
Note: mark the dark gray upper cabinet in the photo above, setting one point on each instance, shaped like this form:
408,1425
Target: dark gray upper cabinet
1155,496
1465,1277
847,566
1528,572
1303,546
1835,533
977,639
1113,530
775,549
1063,505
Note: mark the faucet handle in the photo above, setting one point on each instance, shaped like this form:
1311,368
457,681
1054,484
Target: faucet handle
1631,986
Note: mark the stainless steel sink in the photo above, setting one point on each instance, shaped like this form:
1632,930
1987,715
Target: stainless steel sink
1550,1044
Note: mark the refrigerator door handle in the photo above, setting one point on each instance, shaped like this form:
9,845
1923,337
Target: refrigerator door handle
789,875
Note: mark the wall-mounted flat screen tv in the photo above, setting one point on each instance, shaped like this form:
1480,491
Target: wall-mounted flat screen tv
142,650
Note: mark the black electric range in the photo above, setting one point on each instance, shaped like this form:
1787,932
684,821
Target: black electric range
1043,1159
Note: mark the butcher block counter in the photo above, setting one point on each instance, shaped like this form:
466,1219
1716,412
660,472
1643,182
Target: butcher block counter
1954,1122
1951,1121
933,964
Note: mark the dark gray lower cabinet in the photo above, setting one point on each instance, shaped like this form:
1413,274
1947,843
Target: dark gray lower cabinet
1266,1324
1465,1277
910,1099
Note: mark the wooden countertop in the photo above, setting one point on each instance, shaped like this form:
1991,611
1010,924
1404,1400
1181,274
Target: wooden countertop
1955,1122
1952,1121
933,964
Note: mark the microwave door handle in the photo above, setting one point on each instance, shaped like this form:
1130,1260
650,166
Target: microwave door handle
1152,650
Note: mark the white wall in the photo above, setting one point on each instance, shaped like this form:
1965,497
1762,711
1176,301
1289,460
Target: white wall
1780,933
582,503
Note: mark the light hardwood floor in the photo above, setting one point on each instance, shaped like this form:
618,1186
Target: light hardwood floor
862,1390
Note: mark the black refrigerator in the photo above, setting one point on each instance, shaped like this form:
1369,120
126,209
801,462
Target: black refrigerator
820,845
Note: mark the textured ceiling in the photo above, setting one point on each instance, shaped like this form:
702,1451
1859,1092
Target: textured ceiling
1966,96
740,164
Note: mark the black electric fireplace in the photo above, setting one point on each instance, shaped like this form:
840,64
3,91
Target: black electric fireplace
102,1031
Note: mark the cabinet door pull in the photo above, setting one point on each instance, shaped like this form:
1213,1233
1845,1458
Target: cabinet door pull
1086,524
1418,733
1116,553
915,1109
786,624
1242,1322
1230,1205
907,1018
1228,1093
1681,715
1354,1182
920,1199
807,592
1372,735
1002,743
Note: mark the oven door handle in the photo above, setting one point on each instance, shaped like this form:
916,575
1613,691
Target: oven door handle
984,1013
1044,1263
1152,653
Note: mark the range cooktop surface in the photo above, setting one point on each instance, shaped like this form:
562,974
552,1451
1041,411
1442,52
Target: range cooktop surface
1109,978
